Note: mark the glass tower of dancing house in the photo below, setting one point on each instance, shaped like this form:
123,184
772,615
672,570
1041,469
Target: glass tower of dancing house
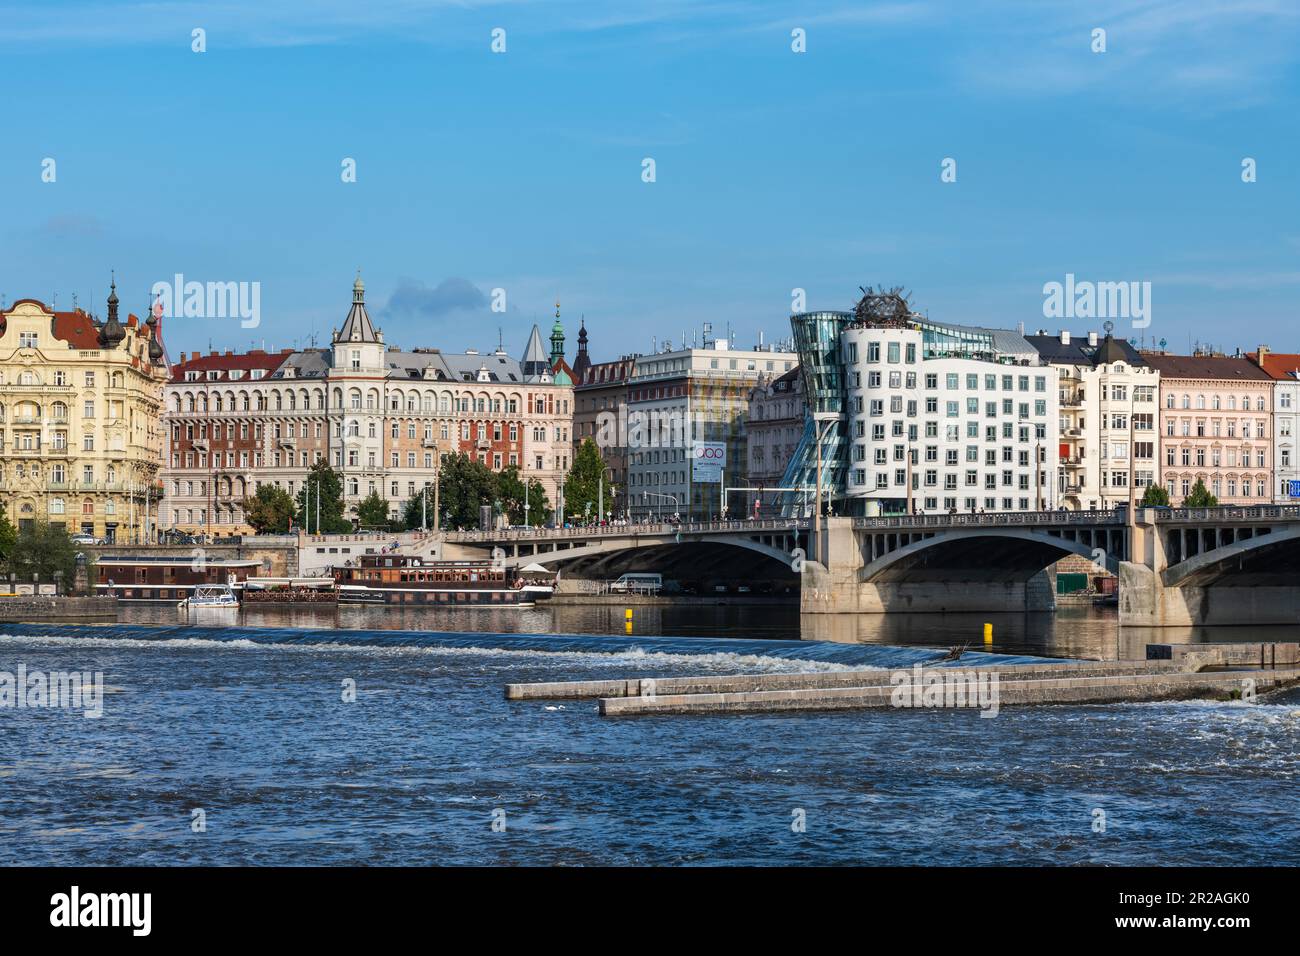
917,414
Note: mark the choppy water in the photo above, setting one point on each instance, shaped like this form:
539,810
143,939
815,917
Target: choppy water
252,729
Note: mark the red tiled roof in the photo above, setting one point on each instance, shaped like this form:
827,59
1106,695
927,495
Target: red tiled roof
1279,365
227,362
77,329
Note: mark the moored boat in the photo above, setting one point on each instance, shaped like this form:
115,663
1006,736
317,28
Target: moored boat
411,580
211,595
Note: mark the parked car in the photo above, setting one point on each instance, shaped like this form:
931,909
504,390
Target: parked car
83,538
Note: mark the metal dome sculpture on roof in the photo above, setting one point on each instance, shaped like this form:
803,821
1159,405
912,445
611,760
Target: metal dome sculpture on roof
883,309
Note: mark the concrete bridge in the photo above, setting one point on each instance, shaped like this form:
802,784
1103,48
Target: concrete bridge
1176,567
739,550
1213,566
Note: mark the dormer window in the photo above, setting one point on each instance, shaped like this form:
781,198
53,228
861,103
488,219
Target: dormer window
258,373
191,376
213,375
288,372
236,373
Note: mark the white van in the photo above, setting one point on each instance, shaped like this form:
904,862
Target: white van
638,583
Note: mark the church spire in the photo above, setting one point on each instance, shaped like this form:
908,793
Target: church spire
557,337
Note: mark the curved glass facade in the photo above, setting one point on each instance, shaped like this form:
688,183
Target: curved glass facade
817,340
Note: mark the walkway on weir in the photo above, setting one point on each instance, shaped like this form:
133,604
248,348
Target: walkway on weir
1172,672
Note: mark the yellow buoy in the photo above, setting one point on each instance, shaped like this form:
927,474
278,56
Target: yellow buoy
627,614
988,633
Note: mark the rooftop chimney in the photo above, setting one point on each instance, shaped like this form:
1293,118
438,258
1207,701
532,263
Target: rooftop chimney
1263,350
1065,336
1092,339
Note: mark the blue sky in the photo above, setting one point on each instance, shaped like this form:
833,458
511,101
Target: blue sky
775,170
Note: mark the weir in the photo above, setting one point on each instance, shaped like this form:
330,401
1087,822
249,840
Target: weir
1166,675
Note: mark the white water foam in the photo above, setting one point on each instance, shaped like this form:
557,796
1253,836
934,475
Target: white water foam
634,655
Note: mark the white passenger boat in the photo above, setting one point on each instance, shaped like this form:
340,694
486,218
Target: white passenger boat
211,595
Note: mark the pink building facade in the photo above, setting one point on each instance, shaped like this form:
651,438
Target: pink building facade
1216,425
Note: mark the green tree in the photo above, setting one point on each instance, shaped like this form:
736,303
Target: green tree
322,481
7,538
464,484
42,550
1200,497
1155,496
270,509
583,482
510,492
373,511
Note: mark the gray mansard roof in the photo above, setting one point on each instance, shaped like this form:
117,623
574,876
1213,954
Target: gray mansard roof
453,367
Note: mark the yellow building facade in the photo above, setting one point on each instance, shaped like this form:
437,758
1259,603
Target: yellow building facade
80,420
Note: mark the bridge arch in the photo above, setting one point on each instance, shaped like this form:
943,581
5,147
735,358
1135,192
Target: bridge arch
1274,555
985,553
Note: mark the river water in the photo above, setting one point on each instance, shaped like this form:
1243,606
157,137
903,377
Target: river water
251,727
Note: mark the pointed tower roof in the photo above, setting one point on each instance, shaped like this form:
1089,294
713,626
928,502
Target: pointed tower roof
535,361
583,361
112,332
357,327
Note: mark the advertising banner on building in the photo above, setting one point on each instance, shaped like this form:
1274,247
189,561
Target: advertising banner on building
710,457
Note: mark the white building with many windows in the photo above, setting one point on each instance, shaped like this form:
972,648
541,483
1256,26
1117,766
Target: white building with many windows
946,418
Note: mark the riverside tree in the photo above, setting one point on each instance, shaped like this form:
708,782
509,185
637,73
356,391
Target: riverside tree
1155,496
582,485
373,511
322,490
511,492
1200,497
7,538
40,550
270,510
465,484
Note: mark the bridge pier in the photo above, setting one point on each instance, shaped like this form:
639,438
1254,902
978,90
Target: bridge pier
832,584
1146,601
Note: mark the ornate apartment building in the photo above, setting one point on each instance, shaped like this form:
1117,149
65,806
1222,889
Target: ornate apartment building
772,432
80,402
1215,425
1284,370
380,416
1108,397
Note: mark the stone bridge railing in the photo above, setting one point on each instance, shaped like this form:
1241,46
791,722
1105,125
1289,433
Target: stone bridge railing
1001,519
628,530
